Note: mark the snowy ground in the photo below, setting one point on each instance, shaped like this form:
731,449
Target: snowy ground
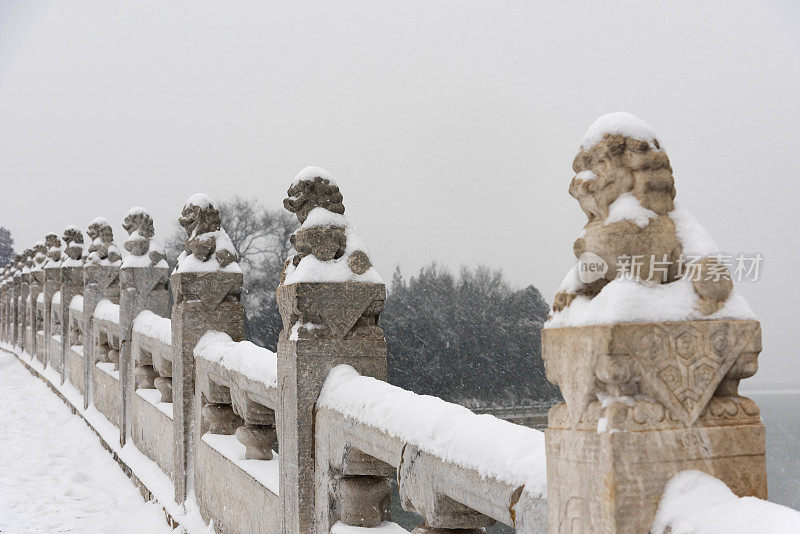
54,474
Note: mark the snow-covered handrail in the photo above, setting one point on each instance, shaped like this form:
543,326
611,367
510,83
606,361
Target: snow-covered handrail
151,353
105,332
486,464
244,377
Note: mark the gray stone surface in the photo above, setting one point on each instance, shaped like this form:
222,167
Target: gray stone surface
106,396
75,370
152,433
237,502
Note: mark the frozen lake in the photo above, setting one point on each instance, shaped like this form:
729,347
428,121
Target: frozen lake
781,415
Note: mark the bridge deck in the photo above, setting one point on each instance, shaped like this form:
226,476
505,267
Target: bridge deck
54,474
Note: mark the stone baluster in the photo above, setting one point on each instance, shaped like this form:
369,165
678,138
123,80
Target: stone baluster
324,324
258,432
144,278
37,286
206,287
218,416
71,285
52,284
3,302
101,281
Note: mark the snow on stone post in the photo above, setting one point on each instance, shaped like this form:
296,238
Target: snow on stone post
143,278
101,281
71,285
206,289
52,284
648,357
329,297
37,286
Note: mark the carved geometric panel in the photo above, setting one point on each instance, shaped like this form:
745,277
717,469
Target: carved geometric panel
682,365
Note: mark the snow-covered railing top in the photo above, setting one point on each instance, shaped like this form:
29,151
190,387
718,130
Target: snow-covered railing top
76,304
153,326
489,465
107,311
249,371
495,448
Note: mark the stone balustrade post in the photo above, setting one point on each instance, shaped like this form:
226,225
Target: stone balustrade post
206,288
52,284
325,323
36,288
71,285
645,398
143,278
101,281
25,291
15,299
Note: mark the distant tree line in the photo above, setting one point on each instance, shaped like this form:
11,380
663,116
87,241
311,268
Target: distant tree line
6,247
469,338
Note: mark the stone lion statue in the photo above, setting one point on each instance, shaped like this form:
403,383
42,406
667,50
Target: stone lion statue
624,185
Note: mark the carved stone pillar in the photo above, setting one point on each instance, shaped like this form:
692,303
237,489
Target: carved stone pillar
644,398
15,299
101,281
52,284
37,286
25,291
324,324
71,285
206,288
144,279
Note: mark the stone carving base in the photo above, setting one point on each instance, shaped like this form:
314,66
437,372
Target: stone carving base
644,401
612,483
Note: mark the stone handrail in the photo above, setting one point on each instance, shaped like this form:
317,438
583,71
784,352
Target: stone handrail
454,467
342,431
151,353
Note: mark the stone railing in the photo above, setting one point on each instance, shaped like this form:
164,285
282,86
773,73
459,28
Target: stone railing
457,469
309,439
211,410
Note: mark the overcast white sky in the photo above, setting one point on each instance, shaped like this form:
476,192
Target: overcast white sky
450,126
